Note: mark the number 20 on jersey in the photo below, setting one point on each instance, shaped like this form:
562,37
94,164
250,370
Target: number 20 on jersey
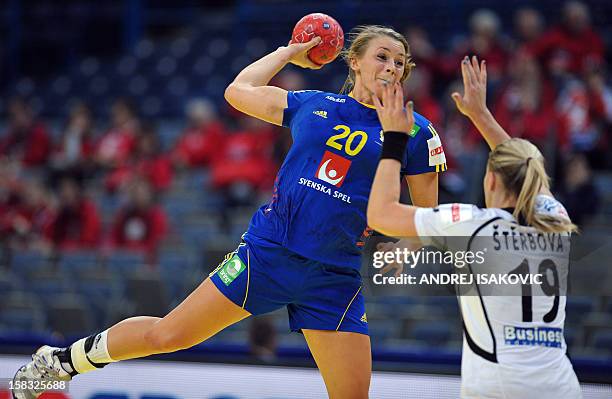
354,143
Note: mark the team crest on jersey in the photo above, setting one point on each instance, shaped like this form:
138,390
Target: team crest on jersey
333,169
322,114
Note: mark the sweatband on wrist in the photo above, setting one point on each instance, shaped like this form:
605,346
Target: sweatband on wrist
394,146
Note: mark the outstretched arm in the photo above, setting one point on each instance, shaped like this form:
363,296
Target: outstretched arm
249,92
473,103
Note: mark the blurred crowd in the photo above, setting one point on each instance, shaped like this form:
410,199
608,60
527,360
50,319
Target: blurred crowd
547,83
44,184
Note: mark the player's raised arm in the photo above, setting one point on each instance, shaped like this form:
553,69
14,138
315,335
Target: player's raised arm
473,103
249,92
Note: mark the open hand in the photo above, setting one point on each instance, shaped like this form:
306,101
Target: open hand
474,99
392,113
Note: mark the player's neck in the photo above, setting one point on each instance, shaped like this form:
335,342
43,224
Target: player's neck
362,95
502,200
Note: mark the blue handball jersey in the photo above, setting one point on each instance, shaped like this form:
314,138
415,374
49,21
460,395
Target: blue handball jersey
318,207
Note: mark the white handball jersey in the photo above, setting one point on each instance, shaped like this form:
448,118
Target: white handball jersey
513,345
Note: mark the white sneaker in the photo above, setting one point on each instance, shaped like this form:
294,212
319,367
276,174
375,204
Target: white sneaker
34,378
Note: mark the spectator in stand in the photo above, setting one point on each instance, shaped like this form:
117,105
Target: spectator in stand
571,47
76,224
26,140
485,41
600,101
75,151
441,67
526,104
578,193
418,89
200,142
141,224
147,162
585,110
245,166
31,217
10,189
116,145
528,27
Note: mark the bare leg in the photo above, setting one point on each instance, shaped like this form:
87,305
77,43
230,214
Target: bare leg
345,362
205,312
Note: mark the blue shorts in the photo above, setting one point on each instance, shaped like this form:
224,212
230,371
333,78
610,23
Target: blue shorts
262,276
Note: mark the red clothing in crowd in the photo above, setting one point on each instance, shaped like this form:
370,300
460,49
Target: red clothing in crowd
32,146
76,228
245,157
138,229
198,146
115,146
532,124
72,148
428,106
575,50
157,171
9,205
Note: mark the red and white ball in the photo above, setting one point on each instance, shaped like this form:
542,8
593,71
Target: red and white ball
328,29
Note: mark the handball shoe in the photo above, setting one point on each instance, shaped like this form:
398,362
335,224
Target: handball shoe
36,377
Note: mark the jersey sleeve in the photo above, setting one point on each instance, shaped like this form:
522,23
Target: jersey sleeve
435,225
427,155
295,99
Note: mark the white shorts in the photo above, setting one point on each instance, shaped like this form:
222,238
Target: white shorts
482,379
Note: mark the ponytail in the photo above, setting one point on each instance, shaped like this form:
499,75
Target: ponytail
521,166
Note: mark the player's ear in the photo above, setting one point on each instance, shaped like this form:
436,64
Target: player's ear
354,64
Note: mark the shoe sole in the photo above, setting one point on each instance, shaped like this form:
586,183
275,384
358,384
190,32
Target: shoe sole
15,378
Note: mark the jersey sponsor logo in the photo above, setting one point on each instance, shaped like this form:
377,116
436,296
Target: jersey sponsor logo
322,114
436,151
333,169
231,269
324,189
335,99
549,337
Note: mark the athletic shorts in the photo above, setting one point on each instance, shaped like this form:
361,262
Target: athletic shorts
262,276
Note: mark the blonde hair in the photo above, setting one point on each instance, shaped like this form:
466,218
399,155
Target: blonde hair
521,167
359,38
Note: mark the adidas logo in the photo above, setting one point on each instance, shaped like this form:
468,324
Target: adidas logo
364,318
322,114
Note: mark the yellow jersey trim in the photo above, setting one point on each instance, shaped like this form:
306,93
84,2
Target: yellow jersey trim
347,308
246,295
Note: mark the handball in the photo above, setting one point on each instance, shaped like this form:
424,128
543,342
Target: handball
328,29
